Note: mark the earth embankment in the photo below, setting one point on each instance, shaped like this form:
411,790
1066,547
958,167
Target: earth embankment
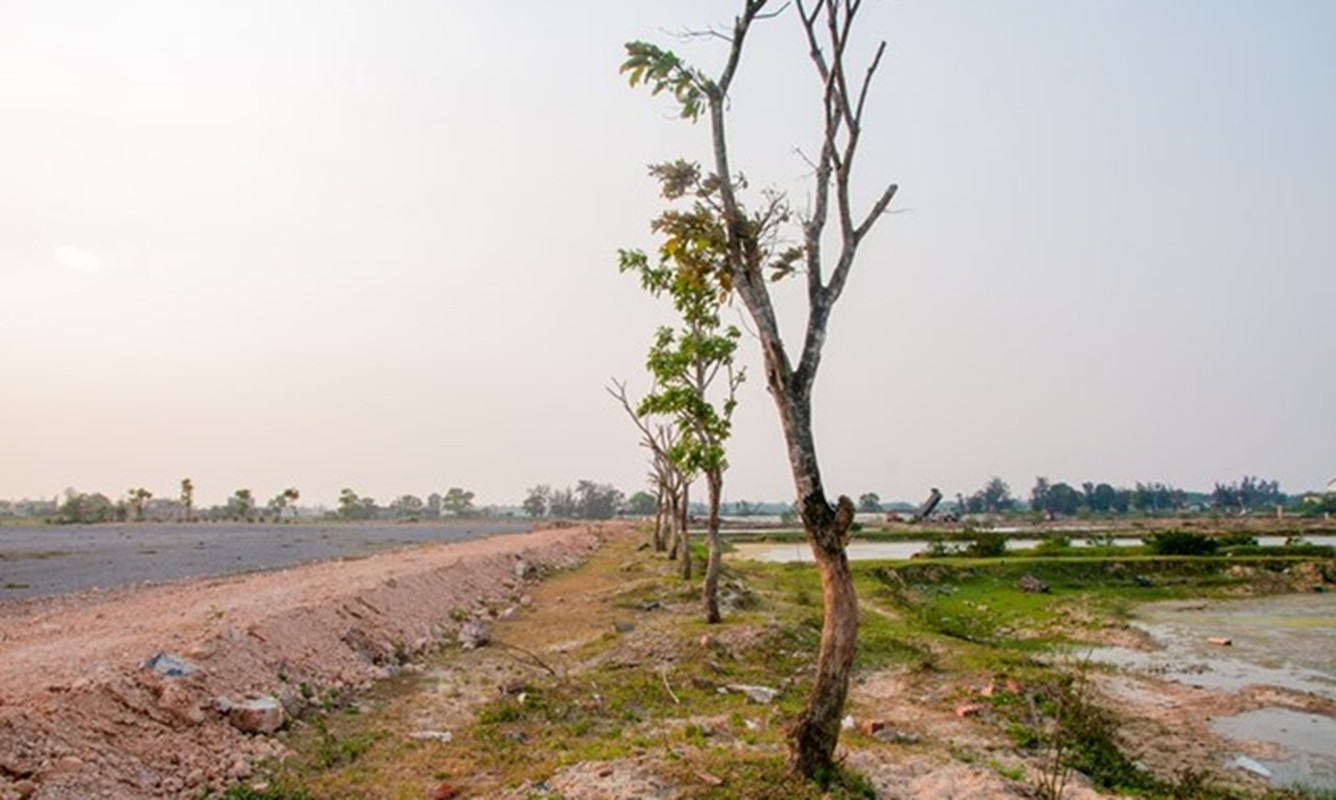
82,716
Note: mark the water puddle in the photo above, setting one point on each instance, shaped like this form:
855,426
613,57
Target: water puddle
1308,741
1284,641
1280,641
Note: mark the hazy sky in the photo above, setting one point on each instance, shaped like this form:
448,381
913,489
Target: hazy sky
373,244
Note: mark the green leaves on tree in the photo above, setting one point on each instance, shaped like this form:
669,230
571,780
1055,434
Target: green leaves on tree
662,71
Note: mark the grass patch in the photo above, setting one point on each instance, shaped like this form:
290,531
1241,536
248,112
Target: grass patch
637,677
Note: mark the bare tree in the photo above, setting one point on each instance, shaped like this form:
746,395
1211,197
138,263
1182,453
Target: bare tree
670,480
751,240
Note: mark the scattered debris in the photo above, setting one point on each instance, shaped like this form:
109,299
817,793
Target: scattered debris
444,791
888,736
1221,641
848,723
712,780
1029,583
170,665
968,710
664,674
653,605
757,694
1243,762
623,627
431,736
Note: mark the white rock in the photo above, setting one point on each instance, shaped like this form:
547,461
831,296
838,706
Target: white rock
1243,762
757,694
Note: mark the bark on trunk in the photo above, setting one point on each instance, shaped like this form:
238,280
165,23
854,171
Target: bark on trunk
715,481
660,515
684,534
813,738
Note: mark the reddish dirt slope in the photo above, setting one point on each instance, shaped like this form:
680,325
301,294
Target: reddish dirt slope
82,717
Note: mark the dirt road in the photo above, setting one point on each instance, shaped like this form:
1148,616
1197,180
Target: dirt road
46,560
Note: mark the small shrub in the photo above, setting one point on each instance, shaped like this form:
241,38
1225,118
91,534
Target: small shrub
1181,543
938,547
987,544
333,751
1054,545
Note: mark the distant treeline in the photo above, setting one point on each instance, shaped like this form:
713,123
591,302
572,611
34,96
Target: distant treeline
1060,499
589,499
586,500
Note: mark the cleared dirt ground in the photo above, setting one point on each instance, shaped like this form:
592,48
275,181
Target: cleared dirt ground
81,716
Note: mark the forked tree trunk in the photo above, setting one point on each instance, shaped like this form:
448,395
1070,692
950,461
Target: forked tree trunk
714,479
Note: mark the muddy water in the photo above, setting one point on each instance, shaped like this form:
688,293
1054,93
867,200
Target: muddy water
876,551
1287,641
1308,742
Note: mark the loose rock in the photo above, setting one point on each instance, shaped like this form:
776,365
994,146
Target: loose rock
170,665
260,715
757,694
474,634
1030,583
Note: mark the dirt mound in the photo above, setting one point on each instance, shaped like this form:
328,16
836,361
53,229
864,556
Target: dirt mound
86,711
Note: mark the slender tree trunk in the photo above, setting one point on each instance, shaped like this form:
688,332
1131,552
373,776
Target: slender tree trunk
684,515
715,480
813,738
674,498
660,512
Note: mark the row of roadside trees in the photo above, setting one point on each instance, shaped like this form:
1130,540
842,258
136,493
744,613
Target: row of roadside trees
586,500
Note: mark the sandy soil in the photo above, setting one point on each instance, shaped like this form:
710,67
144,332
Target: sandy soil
81,716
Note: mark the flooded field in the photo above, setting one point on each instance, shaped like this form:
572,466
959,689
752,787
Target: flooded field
1287,641
874,551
